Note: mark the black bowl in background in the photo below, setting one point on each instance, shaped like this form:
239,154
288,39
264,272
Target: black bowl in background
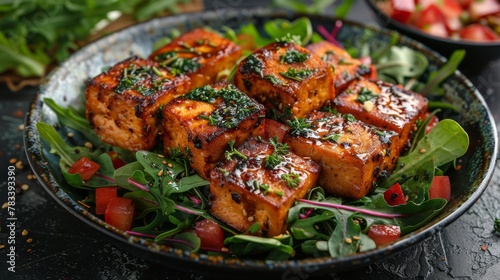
477,53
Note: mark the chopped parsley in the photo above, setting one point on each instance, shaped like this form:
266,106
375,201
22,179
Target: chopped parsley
252,65
299,126
276,157
291,179
272,79
134,77
366,95
297,75
177,65
333,137
237,105
229,154
293,56
288,38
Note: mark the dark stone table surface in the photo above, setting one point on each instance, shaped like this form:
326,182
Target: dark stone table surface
53,244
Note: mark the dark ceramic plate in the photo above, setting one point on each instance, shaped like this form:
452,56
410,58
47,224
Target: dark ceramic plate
477,52
66,84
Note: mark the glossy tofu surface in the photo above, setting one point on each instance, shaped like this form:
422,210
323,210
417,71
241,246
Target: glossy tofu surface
245,191
347,69
383,105
202,122
122,103
200,54
287,79
352,154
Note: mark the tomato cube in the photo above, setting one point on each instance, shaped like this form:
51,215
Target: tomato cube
210,233
116,160
120,213
394,195
402,10
85,167
383,234
440,188
483,8
102,198
478,32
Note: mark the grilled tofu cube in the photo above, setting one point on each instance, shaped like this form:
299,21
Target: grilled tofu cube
259,188
202,122
384,105
200,54
352,154
346,67
287,79
122,103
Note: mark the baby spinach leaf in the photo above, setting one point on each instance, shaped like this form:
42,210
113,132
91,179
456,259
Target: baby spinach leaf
342,241
245,245
444,143
304,228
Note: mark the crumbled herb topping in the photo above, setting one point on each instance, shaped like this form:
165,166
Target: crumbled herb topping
293,56
276,157
134,77
272,79
252,65
366,95
291,179
299,126
333,137
229,154
296,74
288,38
238,106
178,65
327,55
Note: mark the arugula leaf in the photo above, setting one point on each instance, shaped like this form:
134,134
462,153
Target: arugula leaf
245,245
305,228
400,63
316,7
444,143
438,76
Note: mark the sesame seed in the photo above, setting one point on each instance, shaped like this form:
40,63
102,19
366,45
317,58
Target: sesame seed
5,205
160,172
21,127
348,240
19,165
161,156
29,240
422,150
24,232
244,212
13,160
88,145
164,162
250,219
224,249
355,237
25,187
169,165
2,246
70,134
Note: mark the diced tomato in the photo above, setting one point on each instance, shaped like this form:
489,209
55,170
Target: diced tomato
432,21
483,8
431,124
440,188
210,233
450,8
478,32
102,198
464,3
120,213
383,234
394,195
373,72
402,10
85,167
117,161
274,128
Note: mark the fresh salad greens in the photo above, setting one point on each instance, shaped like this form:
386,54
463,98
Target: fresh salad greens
170,197
35,34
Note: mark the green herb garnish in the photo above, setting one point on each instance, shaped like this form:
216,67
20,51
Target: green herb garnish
297,74
366,95
332,137
252,65
272,79
293,56
291,179
299,126
229,154
276,157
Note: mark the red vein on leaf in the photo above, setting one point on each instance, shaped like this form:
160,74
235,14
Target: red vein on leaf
138,185
107,178
354,209
322,30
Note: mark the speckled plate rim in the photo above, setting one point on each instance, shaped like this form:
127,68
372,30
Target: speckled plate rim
203,263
